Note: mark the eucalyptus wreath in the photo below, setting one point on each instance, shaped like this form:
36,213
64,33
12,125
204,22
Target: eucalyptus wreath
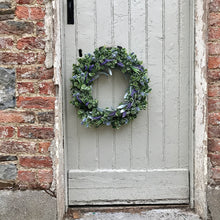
103,61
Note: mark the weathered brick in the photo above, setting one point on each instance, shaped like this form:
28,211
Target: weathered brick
16,27
214,33
18,58
216,174
13,147
40,28
45,178
22,12
213,105
26,176
21,2
213,90
214,5
5,5
213,75
25,87
37,13
34,73
214,19
41,57
35,132
6,185
6,43
35,161
46,117
29,43
16,117
215,159
214,131
214,118
6,132
214,48
214,62
7,13
214,145
43,147
47,88
36,102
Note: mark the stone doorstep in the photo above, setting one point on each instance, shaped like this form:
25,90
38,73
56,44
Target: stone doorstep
181,212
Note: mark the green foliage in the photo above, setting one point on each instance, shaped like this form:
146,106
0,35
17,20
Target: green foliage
88,69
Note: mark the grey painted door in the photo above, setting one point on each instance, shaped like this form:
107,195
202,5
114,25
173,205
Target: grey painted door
146,161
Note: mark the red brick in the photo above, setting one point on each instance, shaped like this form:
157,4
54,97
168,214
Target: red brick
45,178
37,13
25,87
41,58
43,147
40,28
40,2
214,118
14,147
22,12
213,105
16,27
214,19
213,75
6,43
214,5
215,159
213,90
45,117
35,162
21,2
34,73
47,88
36,102
35,133
26,176
29,43
16,117
216,174
214,131
6,132
214,62
214,48
17,58
214,145
214,33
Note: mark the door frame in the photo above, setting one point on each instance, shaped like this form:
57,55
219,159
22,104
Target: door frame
198,152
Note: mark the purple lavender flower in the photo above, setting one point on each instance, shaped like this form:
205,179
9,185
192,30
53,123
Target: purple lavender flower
86,77
106,61
129,105
90,67
112,113
79,99
124,114
120,64
87,103
133,92
86,67
96,118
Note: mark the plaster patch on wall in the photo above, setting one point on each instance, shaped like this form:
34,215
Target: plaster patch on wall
49,34
7,88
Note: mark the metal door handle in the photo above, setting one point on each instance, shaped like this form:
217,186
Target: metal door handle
70,11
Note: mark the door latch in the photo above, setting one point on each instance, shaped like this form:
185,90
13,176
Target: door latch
70,11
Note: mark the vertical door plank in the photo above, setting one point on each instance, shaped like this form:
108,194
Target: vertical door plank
104,84
155,70
171,82
140,124
123,135
185,89
70,111
86,39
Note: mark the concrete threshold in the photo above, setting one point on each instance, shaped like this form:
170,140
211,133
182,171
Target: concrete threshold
165,212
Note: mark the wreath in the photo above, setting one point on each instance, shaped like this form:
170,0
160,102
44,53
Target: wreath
89,69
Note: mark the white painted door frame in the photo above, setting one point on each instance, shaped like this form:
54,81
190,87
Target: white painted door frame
199,152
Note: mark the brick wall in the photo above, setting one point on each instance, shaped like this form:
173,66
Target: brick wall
27,105
214,90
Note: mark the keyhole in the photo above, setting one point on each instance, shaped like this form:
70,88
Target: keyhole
80,52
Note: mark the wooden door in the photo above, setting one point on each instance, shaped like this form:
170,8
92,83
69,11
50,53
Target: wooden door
146,161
